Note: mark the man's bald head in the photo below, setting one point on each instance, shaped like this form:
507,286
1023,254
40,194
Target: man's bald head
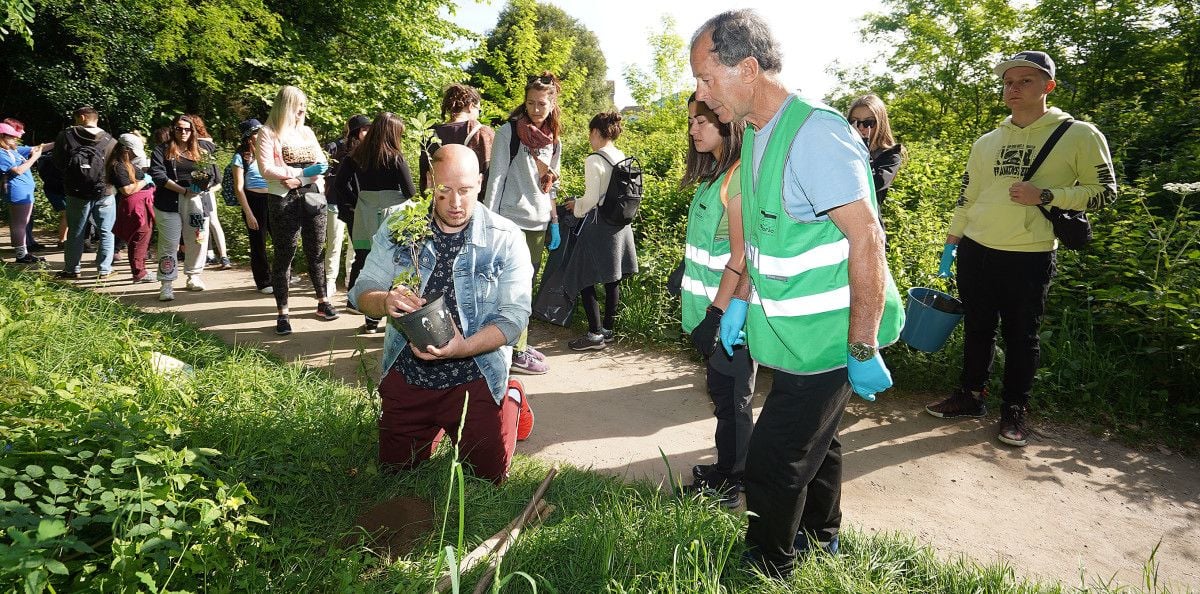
456,184
456,155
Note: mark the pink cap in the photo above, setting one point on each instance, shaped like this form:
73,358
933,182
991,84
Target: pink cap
8,130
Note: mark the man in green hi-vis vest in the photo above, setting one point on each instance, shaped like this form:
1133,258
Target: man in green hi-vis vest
817,300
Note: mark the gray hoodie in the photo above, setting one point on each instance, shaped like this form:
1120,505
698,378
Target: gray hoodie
513,190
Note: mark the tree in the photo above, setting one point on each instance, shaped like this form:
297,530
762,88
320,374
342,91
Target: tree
941,54
530,38
360,56
668,60
130,66
18,14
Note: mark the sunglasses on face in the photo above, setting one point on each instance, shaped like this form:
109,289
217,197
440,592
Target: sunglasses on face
868,124
182,129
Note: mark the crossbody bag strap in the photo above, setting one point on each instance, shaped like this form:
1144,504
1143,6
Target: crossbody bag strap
1043,153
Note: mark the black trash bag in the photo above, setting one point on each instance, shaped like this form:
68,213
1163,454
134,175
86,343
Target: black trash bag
555,300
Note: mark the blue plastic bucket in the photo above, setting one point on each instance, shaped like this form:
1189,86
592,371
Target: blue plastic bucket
929,319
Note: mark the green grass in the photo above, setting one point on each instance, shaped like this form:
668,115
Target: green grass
246,476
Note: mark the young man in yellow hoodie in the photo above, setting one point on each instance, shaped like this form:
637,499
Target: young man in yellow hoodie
1005,245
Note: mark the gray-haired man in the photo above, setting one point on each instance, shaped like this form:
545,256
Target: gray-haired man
822,300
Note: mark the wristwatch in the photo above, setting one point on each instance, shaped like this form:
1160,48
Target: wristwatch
1047,197
862,351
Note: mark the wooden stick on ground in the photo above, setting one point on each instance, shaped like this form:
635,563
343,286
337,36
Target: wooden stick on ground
490,574
535,511
479,553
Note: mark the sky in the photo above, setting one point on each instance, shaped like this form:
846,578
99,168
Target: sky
816,33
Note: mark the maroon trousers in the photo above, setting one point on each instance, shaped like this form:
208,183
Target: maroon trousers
414,420
134,224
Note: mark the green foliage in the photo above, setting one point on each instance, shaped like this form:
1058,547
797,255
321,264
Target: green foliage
139,62
116,478
668,59
530,38
18,14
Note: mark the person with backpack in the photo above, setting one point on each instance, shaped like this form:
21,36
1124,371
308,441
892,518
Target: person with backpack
128,172
250,189
460,109
522,183
184,172
52,187
81,153
16,188
371,180
605,252
714,261
1037,159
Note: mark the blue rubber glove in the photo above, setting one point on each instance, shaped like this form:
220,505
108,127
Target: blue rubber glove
732,323
149,180
555,239
948,254
868,377
314,169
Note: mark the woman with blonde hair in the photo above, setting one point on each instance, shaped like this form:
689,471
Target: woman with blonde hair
869,117
522,181
372,179
182,202
290,158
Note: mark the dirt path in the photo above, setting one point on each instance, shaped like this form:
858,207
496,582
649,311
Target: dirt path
1062,506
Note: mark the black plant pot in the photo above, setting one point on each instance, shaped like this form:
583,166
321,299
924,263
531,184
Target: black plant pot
430,326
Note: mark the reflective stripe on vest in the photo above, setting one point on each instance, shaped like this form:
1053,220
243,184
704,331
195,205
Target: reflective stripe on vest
705,257
799,315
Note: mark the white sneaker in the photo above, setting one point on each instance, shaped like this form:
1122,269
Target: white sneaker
267,290
166,293
195,284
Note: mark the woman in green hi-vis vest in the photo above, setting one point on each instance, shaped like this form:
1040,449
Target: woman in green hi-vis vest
714,261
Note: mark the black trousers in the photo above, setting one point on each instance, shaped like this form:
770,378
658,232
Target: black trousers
731,387
260,267
612,298
794,466
291,221
1008,290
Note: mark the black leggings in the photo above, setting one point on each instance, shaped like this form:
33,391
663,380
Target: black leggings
289,222
259,265
612,296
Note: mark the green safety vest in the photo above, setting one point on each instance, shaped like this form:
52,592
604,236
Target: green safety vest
706,254
799,315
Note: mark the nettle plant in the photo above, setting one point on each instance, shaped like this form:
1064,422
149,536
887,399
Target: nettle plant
409,227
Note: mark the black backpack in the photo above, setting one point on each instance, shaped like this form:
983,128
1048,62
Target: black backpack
84,175
227,186
621,200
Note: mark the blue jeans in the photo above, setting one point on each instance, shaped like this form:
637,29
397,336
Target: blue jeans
103,213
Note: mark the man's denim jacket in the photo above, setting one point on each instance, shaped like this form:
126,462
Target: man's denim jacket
493,279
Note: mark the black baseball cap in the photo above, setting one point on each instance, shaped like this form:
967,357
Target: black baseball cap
357,123
1032,59
249,127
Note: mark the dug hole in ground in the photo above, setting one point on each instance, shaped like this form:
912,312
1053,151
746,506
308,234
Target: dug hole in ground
1065,504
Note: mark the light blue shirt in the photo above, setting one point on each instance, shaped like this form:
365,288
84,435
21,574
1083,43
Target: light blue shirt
254,179
493,279
20,187
827,166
